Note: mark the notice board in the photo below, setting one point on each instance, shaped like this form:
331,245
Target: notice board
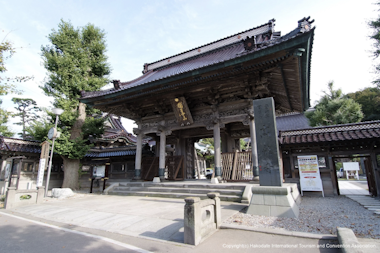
310,177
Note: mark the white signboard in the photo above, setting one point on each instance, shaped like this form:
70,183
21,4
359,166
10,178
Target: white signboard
310,178
41,171
352,169
99,171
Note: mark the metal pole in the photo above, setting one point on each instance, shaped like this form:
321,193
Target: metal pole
50,161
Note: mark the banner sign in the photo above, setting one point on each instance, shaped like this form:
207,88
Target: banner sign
310,178
41,172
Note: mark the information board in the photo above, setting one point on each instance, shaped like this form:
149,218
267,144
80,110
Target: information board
99,171
310,178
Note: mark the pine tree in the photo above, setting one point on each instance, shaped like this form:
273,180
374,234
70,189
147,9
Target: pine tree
333,108
27,111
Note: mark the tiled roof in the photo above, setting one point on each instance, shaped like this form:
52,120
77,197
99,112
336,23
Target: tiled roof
110,153
18,145
202,59
292,121
336,133
115,130
265,28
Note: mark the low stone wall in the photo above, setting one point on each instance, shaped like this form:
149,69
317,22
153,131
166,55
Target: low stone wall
15,198
202,218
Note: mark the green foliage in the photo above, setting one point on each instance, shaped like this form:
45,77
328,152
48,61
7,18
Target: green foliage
4,118
93,126
333,108
75,61
7,85
338,165
375,25
38,130
27,110
369,99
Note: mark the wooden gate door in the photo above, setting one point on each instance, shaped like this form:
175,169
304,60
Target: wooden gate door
175,168
149,168
370,176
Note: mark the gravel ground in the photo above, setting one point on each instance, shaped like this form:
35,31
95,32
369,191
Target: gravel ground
320,216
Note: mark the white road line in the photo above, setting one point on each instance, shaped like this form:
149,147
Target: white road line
124,245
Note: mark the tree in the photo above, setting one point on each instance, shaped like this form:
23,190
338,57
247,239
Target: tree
27,111
4,117
375,25
369,99
7,84
333,108
75,61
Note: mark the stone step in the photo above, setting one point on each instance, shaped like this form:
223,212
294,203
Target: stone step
178,185
173,195
179,190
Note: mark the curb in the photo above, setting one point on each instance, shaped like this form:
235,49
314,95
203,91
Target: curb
347,237
281,232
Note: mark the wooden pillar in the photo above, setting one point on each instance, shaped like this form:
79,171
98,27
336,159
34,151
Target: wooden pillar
376,173
217,154
292,168
138,154
334,179
224,142
255,164
161,167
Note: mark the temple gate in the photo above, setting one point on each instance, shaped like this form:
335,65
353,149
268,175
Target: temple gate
209,92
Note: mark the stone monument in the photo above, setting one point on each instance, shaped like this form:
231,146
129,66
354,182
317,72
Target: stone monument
271,198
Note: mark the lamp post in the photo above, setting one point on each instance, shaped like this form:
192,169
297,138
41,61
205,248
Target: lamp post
52,135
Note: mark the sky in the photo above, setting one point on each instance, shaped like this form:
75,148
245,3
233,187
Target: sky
139,32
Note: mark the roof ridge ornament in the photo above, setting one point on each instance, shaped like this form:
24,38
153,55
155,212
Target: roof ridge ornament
116,84
250,43
305,24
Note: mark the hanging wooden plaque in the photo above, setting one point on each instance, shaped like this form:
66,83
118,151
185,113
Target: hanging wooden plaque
181,111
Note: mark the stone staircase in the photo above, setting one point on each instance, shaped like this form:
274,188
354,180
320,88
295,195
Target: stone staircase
368,202
228,192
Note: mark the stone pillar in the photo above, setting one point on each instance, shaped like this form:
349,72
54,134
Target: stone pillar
192,216
10,197
267,142
217,154
255,164
138,154
40,194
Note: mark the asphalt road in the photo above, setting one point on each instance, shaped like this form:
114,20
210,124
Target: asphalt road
24,236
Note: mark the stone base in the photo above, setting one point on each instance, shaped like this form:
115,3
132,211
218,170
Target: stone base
277,201
156,180
214,180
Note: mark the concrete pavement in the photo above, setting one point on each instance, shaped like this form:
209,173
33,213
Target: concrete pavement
353,187
154,218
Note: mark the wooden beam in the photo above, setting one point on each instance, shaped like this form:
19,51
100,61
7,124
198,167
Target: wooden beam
285,86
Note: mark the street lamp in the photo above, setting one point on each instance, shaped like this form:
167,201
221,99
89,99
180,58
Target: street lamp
52,135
